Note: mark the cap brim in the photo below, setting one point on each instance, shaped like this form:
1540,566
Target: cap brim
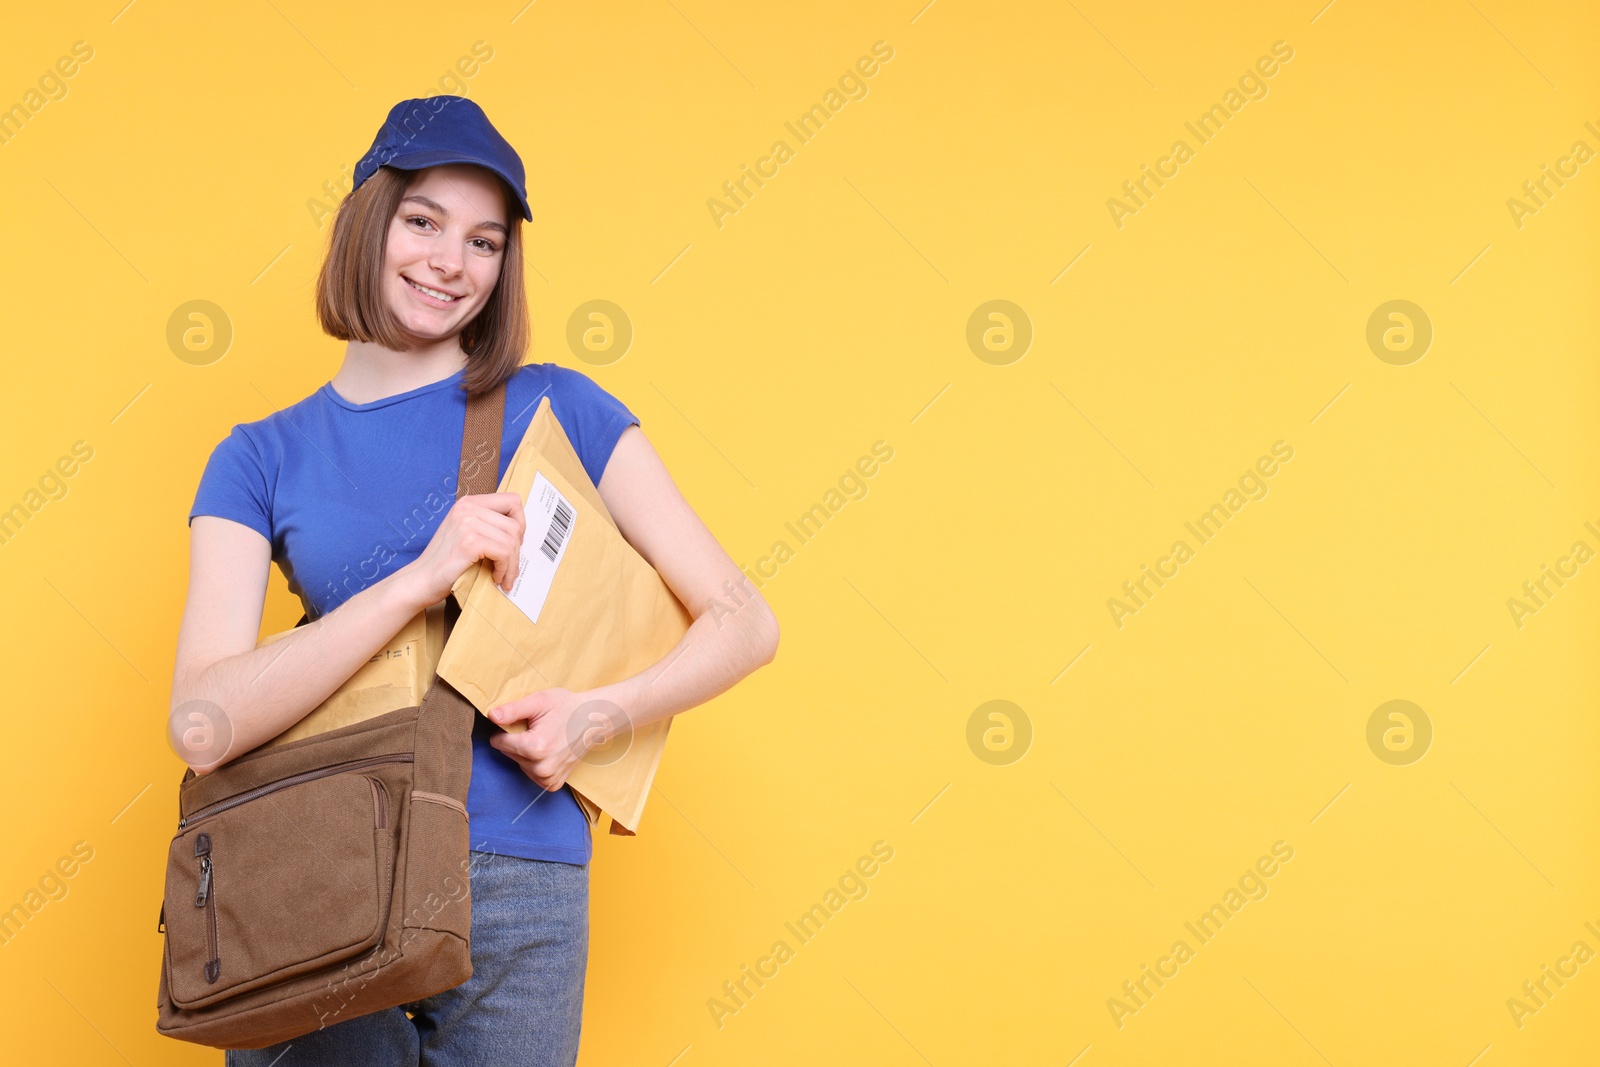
424,160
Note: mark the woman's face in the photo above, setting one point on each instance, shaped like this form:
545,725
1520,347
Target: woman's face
448,236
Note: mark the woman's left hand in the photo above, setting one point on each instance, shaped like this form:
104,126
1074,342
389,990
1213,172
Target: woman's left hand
562,727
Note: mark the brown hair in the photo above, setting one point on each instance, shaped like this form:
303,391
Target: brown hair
350,298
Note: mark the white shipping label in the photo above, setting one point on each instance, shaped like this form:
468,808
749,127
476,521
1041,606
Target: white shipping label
551,517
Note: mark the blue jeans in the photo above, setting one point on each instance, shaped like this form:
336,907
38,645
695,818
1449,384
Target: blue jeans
522,1007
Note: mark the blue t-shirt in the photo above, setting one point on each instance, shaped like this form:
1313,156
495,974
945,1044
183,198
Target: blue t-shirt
347,494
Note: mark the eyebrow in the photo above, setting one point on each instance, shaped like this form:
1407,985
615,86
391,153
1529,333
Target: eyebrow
426,202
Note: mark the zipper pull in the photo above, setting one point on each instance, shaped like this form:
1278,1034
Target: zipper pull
205,882
202,848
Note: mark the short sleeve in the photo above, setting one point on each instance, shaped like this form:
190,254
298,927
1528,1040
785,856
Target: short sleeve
234,485
593,418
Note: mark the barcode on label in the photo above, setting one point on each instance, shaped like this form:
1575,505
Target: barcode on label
560,523
551,520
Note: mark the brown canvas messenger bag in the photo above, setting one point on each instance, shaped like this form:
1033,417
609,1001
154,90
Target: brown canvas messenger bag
327,877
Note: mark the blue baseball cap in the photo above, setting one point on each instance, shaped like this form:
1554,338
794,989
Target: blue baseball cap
435,130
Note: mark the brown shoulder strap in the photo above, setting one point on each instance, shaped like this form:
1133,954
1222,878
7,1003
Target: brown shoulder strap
480,438
479,471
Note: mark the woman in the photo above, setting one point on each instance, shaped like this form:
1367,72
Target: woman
346,489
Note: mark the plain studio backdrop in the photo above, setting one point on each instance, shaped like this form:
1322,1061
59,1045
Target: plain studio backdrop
981,263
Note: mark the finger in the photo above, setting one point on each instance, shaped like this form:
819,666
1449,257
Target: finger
507,562
509,713
547,776
494,538
507,504
522,745
506,744
528,707
536,771
504,547
527,768
507,507
513,566
483,519
555,778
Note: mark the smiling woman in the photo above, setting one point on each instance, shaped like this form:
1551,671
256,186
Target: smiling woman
389,278
423,279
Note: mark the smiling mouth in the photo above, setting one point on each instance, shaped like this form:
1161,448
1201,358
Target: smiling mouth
437,294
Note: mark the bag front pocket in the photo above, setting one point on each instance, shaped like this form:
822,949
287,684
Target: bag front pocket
282,879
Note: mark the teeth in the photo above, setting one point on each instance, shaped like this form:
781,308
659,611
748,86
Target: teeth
431,292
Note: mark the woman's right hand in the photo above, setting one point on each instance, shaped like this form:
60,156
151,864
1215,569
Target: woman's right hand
487,526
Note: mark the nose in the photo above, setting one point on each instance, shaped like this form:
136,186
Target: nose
445,258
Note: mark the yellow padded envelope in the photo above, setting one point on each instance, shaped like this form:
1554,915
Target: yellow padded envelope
397,676
607,616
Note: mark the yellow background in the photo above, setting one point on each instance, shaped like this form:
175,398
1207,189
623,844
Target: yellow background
829,313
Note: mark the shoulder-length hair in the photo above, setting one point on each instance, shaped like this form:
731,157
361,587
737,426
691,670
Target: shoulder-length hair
350,297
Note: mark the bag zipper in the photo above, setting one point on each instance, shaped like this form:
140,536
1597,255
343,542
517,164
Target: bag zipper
205,897
284,783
